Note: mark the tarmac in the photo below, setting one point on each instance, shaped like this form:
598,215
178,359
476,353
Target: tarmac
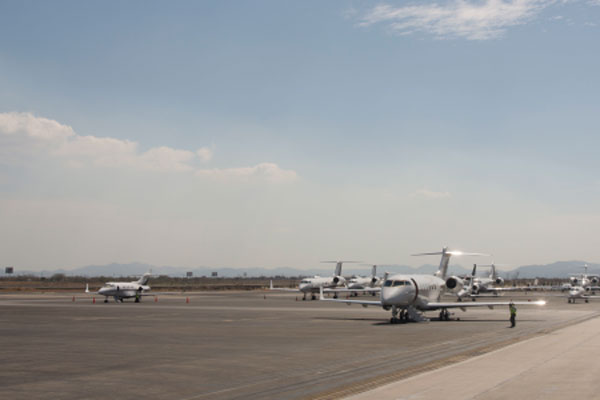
250,345
559,365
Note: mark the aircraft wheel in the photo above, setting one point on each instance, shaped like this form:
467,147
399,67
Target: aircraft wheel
137,300
587,301
106,300
313,297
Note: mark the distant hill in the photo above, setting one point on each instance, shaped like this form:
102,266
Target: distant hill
560,269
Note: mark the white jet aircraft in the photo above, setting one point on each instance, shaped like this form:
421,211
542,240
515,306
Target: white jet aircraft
312,285
125,290
358,283
407,296
581,286
478,287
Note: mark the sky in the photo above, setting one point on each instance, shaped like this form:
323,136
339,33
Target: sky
283,133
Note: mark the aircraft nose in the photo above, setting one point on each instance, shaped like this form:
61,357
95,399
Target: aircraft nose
396,296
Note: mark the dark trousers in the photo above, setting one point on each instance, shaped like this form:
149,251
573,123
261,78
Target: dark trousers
512,321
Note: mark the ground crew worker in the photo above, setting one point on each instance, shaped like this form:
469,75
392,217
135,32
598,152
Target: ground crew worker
513,314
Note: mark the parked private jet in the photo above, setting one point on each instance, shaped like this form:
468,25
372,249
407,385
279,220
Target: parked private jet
312,285
125,290
408,296
583,287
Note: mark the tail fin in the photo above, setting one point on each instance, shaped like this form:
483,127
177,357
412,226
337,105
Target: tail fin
445,253
338,266
87,288
373,271
144,279
472,278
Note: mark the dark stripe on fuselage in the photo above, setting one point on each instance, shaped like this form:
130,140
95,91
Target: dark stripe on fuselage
416,290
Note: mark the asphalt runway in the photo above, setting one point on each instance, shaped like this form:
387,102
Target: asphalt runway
234,345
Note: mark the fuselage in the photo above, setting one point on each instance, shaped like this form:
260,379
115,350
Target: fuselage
312,285
411,290
122,289
362,282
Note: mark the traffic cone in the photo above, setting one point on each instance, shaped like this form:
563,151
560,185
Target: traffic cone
93,300
187,300
73,298
155,299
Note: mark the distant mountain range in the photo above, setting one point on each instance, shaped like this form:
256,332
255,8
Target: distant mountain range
560,269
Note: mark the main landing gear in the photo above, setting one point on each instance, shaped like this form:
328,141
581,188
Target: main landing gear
444,315
399,316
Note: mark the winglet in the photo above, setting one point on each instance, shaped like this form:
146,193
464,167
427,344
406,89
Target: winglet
271,287
87,288
321,297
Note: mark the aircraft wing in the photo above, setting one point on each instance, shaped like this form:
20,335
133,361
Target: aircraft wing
361,302
346,290
490,304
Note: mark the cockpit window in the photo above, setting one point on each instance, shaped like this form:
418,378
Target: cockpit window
396,283
305,281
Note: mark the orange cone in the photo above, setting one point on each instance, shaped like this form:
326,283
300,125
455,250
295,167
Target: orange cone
73,298
93,300
155,299
187,299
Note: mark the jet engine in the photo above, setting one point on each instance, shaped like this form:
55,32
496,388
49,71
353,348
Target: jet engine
574,281
595,280
499,281
339,280
454,284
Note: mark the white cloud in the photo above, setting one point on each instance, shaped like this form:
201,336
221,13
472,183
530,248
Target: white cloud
473,20
205,154
13,123
268,172
429,194
25,134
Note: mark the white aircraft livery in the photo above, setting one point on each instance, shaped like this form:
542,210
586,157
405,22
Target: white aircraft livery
407,296
125,290
312,285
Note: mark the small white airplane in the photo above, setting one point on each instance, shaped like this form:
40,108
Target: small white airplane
124,290
408,296
312,285
358,283
583,287
478,287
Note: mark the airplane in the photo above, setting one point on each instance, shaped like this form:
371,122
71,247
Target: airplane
408,296
312,285
483,286
124,290
358,283
582,285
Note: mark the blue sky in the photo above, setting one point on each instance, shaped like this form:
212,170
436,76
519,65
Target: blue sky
282,133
